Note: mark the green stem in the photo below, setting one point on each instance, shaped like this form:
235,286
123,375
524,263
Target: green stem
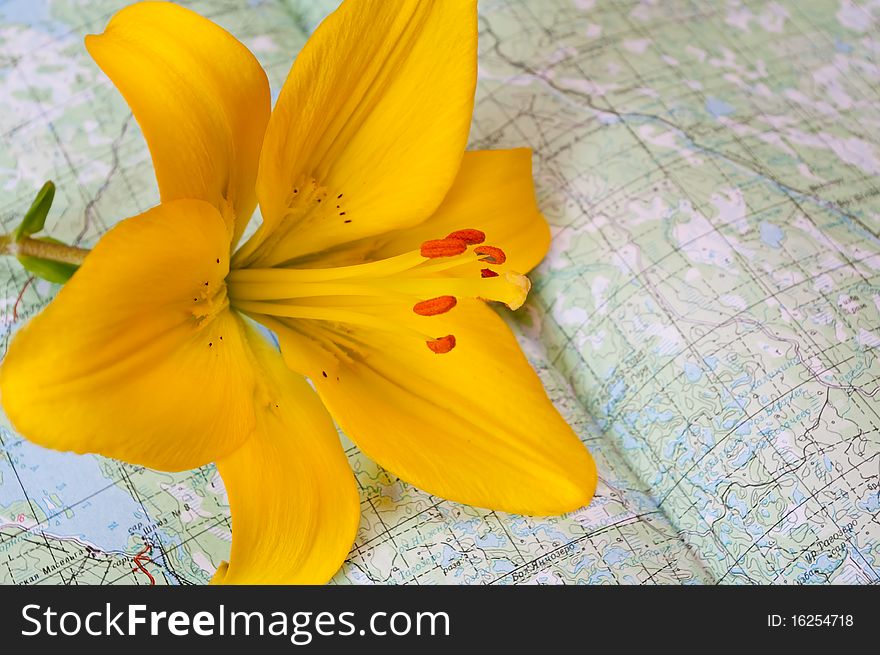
56,252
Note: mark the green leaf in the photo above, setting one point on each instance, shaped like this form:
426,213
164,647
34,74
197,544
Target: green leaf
35,218
47,269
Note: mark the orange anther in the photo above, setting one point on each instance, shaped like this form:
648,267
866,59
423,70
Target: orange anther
469,236
442,345
492,254
442,248
488,272
435,306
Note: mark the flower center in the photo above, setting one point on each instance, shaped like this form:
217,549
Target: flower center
430,280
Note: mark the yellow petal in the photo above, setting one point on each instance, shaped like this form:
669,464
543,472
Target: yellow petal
473,425
295,507
374,118
493,192
200,97
138,357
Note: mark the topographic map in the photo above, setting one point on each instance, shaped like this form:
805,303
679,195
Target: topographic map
708,319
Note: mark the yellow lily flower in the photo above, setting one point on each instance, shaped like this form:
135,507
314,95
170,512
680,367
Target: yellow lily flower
380,239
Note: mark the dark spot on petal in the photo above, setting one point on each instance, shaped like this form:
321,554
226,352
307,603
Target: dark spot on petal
347,220
324,373
218,260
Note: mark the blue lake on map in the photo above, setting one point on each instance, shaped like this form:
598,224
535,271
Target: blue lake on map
69,478
771,234
718,107
28,12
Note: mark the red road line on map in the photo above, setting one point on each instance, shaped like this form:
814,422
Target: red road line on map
20,296
143,555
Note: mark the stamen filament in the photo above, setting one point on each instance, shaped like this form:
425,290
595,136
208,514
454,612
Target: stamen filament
411,262
293,290
430,280
332,314
510,288
380,268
